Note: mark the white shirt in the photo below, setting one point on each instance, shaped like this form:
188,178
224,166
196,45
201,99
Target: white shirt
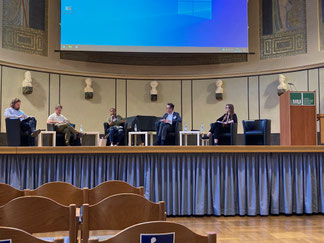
170,117
14,114
57,118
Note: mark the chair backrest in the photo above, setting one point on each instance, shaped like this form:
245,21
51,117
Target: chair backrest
7,193
17,235
119,212
13,132
61,192
107,189
181,233
259,125
50,127
39,214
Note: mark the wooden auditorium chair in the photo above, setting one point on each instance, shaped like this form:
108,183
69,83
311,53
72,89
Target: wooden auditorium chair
154,229
39,215
66,194
118,212
7,193
13,235
61,192
109,188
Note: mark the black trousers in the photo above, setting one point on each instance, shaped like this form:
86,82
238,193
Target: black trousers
162,130
218,128
28,126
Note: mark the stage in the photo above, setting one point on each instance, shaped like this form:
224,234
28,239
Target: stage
192,180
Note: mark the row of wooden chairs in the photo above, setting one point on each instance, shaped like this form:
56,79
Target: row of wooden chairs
130,235
66,194
35,214
55,210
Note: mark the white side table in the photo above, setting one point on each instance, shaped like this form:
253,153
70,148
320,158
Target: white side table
97,134
186,133
146,133
40,138
205,142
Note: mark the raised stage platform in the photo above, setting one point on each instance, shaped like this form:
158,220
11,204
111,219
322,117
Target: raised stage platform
192,180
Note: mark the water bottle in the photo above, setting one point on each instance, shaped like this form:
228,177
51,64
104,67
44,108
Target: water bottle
135,127
202,127
81,128
185,126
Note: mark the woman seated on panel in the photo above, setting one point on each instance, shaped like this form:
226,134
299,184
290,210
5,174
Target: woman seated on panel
222,125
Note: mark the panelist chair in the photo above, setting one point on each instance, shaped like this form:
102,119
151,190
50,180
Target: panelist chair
257,132
60,137
155,229
16,137
229,138
173,137
106,127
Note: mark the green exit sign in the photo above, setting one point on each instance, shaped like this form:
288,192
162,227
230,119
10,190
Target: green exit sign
302,98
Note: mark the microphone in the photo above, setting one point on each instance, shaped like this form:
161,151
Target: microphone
293,85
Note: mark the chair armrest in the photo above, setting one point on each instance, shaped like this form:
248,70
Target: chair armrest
178,127
233,131
106,126
50,127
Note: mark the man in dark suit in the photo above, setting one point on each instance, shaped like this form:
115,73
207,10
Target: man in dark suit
166,124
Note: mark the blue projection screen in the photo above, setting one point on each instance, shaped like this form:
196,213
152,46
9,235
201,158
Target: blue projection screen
212,26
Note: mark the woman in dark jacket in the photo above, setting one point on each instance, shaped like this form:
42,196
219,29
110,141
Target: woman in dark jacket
222,125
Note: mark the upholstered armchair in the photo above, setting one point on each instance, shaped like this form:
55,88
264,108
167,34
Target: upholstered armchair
124,141
60,137
257,132
15,137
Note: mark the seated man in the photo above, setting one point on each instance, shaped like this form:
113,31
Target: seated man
62,125
115,123
166,124
28,123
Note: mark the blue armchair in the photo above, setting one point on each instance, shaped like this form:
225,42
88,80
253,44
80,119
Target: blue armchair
257,132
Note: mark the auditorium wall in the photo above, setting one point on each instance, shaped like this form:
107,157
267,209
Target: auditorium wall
254,97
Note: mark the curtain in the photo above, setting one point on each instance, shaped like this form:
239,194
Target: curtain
190,184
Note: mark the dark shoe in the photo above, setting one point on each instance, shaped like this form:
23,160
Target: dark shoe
158,141
36,132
